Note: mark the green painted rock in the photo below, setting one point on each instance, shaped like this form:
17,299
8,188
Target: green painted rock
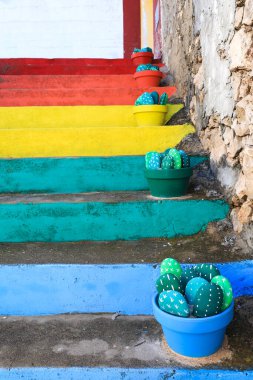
167,281
167,163
208,301
207,271
144,99
167,151
185,159
175,155
226,287
164,99
186,276
153,160
155,97
171,266
192,288
174,303
146,50
153,68
148,66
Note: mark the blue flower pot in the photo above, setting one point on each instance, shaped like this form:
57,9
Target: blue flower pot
194,337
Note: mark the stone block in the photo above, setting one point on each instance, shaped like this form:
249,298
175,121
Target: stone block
241,49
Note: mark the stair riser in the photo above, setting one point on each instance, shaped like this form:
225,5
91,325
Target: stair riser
98,141
71,82
72,97
66,81
83,174
106,221
72,116
127,289
37,69
121,373
75,66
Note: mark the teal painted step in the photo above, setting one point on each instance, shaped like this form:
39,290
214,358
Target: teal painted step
75,175
103,216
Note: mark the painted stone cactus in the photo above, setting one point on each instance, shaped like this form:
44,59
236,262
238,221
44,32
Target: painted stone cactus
193,287
143,50
153,160
148,66
167,281
176,157
207,271
171,266
174,303
226,287
198,291
208,301
155,97
186,276
151,98
167,163
185,159
170,159
163,99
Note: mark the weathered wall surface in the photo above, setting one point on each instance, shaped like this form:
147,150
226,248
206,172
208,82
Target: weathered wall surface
208,47
61,29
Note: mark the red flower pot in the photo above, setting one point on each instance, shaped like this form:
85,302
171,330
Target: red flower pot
148,78
142,58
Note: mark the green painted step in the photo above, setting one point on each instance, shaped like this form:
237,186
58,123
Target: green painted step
104,216
75,174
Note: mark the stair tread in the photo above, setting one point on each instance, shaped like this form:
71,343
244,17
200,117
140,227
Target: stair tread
219,247
114,341
104,197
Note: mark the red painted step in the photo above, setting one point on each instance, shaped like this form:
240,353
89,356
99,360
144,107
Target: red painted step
66,81
79,66
72,96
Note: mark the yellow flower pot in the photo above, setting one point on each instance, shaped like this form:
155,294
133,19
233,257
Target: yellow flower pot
150,116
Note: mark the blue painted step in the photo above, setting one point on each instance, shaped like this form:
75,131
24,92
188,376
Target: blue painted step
125,288
104,216
82,373
75,175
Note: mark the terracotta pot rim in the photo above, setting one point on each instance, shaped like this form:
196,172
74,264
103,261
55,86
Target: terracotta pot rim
148,73
142,54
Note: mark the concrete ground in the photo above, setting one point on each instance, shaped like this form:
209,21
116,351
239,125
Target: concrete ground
96,340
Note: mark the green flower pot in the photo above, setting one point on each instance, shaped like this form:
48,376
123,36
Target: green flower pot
168,183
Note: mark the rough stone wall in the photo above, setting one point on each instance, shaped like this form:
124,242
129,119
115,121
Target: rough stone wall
208,47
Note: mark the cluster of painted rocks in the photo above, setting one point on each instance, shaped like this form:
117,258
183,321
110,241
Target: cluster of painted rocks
148,66
198,291
151,98
143,50
170,159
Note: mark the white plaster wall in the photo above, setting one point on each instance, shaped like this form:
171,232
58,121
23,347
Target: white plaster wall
61,28
214,20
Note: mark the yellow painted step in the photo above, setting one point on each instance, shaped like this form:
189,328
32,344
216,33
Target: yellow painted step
72,116
89,141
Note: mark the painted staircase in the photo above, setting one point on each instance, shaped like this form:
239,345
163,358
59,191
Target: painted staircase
81,235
